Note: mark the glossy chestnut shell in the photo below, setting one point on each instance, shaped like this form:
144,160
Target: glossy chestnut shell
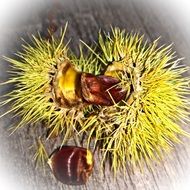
71,165
101,90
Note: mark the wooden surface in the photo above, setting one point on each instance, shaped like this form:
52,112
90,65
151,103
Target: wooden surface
85,18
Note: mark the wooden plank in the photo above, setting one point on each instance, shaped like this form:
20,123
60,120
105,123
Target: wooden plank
85,19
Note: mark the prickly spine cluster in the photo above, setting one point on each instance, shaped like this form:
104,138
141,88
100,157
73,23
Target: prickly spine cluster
127,97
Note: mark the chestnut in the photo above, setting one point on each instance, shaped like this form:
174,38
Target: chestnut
71,165
101,90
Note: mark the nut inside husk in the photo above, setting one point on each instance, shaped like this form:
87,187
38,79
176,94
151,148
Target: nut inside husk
130,97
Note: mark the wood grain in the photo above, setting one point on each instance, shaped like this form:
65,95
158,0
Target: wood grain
85,18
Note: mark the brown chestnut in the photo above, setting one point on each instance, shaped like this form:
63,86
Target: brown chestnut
101,90
71,165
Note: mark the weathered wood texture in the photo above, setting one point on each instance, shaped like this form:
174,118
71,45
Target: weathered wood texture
85,18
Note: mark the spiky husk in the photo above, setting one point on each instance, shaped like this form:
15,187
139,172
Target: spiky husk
140,128
147,123
31,75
